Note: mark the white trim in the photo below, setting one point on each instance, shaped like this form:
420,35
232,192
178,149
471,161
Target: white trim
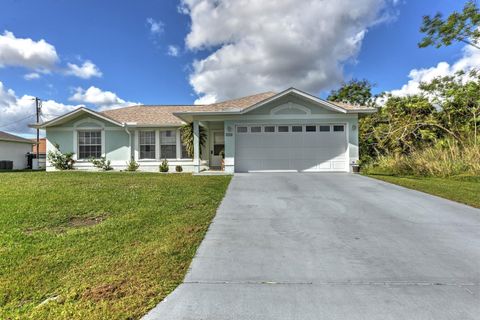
73,113
291,106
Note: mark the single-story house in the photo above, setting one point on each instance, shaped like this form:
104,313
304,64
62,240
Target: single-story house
14,148
287,131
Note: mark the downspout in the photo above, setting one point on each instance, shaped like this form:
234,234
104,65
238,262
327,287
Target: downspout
129,140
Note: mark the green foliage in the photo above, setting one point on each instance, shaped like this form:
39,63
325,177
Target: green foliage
164,166
178,168
446,158
59,160
187,137
356,92
132,165
101,163
459,26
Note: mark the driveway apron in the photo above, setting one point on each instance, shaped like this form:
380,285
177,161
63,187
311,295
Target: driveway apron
331,246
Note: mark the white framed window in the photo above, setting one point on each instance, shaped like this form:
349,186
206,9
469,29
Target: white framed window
338,128
89,144
242,129
184,154
147,144
255,129
283,129
168,144
324,128
297,128
269,129
310,128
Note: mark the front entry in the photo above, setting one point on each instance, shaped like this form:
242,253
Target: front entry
217,147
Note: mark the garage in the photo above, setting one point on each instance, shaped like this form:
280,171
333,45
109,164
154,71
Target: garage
291,147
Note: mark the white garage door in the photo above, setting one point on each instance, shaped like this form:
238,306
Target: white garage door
291,148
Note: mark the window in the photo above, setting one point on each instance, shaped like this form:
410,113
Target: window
184,154
168,144
147,144
218,143
255,129
242,129
269,129
324,128
283,129
89,144
338,128
310,128
297,129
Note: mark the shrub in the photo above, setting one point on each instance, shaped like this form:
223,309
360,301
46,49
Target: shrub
164,166
178,169
446,158
132,165
101,163
59,160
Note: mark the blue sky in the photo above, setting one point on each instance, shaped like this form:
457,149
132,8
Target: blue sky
127,42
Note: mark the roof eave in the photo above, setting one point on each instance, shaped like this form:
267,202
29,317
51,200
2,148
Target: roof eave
70,114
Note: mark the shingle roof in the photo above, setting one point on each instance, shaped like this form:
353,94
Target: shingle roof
350,107
165,114
10,137
147,115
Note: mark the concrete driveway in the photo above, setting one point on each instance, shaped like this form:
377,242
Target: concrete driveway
332,246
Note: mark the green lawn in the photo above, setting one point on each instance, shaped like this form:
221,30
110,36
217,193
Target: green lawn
461,189
79,245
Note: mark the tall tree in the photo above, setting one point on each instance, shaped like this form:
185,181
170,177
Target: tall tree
459,26
358,92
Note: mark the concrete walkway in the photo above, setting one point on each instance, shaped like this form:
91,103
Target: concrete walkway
331,246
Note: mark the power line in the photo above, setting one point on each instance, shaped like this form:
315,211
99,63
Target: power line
17,121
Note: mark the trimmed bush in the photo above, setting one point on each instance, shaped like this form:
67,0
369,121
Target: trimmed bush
178,169
164,166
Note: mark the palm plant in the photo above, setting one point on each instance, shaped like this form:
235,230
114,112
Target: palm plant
187,138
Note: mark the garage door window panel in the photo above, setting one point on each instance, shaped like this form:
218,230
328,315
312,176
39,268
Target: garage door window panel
310,128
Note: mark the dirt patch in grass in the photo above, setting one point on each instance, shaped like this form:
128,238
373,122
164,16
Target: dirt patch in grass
79,222
104,292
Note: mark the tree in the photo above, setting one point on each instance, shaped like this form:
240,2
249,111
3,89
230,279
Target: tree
458,97
187,137
459,26
357,92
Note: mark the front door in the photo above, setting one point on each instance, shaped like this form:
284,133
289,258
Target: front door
217,148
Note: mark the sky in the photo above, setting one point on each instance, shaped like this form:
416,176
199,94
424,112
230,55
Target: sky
110,54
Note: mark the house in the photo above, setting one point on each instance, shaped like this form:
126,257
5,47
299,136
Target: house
42,151
14,148
287,131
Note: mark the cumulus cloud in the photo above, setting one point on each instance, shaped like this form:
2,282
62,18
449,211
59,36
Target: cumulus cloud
102,99
86,71
469,60
25,52
156,27
31,76
173,51
272,45
17,112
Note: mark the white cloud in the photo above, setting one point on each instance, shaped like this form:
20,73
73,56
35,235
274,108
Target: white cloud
102,99
25,52
156,27
469,60
173,51
17,112
31,76
86,71
272,45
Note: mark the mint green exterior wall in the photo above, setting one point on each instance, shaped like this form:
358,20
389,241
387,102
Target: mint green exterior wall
116,145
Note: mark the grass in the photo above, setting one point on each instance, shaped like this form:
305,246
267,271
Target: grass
463,189
79,245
